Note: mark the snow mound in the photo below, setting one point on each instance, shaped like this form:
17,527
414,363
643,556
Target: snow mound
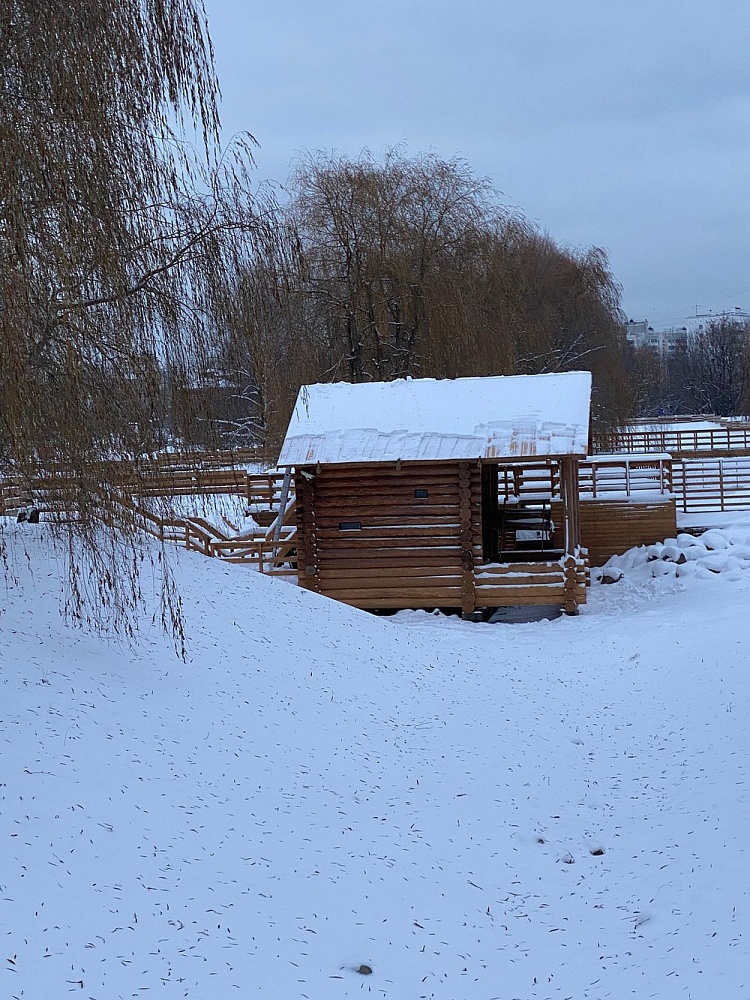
719,551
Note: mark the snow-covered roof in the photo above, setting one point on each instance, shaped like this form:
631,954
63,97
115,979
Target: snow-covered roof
418,420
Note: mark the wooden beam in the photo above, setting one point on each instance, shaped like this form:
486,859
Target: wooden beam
466,538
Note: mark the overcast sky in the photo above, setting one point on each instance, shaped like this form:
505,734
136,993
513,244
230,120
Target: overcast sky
622,124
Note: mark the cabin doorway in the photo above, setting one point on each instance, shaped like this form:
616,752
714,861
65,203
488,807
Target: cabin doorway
517,521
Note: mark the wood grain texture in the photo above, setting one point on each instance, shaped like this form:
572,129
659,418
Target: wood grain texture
612,527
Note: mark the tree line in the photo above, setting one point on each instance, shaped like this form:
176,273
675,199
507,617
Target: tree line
708,372
408,267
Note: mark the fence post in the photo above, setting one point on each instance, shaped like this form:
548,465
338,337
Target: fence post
684,486
721,485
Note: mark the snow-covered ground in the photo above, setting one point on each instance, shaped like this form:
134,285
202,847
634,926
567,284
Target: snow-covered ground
553,809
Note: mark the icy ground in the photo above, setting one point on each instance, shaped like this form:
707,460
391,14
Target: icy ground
556,809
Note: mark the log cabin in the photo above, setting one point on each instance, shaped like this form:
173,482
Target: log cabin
453,494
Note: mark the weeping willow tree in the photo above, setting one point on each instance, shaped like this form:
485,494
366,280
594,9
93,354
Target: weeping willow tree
412,266
119,219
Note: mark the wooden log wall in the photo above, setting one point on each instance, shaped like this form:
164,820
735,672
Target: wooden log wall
307,543
388,536
411,537
562,582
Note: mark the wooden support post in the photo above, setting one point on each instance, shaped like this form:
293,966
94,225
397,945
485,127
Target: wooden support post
683,470
489,480
571,503
307,548
468,598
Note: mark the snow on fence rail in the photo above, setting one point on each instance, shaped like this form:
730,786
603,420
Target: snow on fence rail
51,492
625,475
677,441
712,484
698,484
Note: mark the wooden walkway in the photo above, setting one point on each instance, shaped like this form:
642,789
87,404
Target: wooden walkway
271,552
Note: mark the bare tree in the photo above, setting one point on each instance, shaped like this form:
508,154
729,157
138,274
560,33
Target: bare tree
377,242
414,267
119,219
711,369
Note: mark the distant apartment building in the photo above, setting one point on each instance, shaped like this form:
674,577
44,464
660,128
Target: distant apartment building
640,334
701,321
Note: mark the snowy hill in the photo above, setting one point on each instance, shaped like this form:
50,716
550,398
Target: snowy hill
556,809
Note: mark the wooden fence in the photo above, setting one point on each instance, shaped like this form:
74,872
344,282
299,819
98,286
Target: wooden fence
712,484
275,557
679,443
698,484
602,474
626,475
52,492
55,494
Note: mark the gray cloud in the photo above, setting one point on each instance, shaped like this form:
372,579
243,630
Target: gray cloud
618,124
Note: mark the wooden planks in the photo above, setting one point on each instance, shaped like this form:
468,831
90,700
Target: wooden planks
406,551
611,527
507,584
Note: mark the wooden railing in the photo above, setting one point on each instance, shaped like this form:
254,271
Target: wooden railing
273,557
698,484
52,492
712,484
707,441
598,476
626,475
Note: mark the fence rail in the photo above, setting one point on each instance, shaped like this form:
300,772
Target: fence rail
625,474
698,482
598,476
273,556
712,484
683,442
54,492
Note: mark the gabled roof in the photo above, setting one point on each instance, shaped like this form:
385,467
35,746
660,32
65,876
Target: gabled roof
419,420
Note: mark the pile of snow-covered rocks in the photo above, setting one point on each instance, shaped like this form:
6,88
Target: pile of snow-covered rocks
723,551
